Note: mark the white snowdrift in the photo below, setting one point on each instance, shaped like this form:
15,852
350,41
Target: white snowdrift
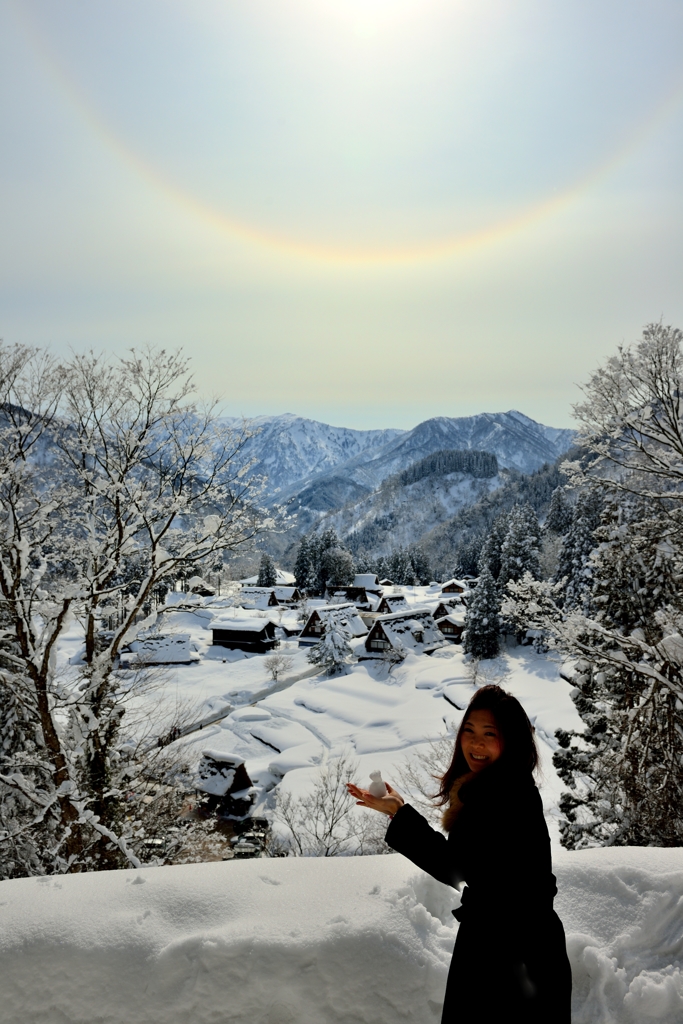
342,941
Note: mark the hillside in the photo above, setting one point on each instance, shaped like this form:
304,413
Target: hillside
321,467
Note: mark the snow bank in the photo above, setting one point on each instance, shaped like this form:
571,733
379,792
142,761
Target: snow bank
339,941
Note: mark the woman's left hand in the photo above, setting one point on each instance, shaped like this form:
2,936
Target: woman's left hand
388,804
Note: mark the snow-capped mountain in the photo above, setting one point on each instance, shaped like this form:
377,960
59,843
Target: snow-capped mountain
289,449
517,441
325,467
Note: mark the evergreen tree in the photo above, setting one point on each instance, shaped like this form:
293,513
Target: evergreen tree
421,567
302,566
332,652
625,773
622,617
490,554
337,567
267,574
519,551
318,548
574,562
559,518
481,638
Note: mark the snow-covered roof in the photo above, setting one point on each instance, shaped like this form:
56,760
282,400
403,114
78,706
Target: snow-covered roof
217,772
285,593
160,649
222,755
458,583
197,583
414,630
241,625
282,579
455,620
344,615
367,580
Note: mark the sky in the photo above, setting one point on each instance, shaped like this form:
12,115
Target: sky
368,212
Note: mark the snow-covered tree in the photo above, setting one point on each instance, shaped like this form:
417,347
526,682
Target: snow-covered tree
559,517
110,479
574,564
481,638
329,562
337,567
332,652
303,565
490,554
520,549
267,574
625,771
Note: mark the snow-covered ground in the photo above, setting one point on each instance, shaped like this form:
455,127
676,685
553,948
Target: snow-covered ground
345,940
376,716
317,941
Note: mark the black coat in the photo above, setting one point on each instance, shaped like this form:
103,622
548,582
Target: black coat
510,960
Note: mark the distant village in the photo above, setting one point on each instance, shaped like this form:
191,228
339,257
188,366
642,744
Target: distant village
378,618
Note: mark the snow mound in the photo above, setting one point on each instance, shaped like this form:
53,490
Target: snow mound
305,941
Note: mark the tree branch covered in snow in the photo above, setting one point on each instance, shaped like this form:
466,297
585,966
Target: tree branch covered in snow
111,479
618,608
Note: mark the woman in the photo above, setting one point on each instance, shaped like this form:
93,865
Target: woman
510,961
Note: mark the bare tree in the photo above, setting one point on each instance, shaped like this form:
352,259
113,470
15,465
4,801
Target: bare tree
278,663
324,822
420,771
111,477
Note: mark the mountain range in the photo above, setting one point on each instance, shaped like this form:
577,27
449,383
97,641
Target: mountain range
321,467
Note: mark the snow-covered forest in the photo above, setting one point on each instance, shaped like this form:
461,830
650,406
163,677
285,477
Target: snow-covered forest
125,504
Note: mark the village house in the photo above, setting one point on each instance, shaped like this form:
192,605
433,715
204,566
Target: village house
282,579
447,607
392,603
287,595
224,783
412,630
257,597
454,587
365,592
344,615
268,597
252,635
159,649
196,585
452,626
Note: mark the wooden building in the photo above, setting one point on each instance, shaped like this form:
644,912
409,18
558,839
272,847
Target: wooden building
258,597
446,608
454,587
392,603
452,626
225,784
199,586
159,649
344,615
287,595
252,635
413,630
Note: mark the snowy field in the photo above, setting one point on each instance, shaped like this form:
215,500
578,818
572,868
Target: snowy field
316,941
347,940
286,730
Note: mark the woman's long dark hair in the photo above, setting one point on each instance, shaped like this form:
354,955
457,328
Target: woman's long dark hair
519,746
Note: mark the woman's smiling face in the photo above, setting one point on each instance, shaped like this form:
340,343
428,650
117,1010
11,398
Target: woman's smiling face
481,741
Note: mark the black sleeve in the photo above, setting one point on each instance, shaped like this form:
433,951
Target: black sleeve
412,835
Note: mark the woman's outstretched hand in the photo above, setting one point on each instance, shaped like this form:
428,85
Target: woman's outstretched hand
388,804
